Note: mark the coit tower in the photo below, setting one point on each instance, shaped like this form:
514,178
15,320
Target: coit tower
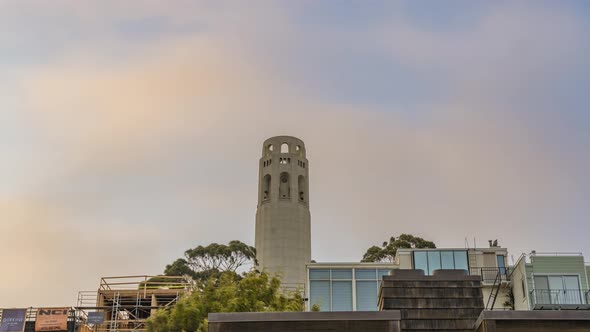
283,226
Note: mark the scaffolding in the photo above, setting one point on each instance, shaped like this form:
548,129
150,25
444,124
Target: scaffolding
128,301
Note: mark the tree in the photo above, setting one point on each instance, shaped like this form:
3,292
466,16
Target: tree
203,262
253,292
388,250
509,303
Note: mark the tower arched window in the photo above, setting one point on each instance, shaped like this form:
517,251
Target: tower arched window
284,148
285,186
266,187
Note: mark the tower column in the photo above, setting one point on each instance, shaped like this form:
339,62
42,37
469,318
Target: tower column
283,220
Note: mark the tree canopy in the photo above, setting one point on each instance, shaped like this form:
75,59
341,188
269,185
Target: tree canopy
252,292
388,250
202,262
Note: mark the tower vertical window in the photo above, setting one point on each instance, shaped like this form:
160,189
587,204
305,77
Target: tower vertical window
301,186
285,185
266,187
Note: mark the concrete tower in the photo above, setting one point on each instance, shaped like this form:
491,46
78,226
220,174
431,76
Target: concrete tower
283,227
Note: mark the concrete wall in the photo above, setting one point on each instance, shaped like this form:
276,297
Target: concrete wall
283,220
404,260
519,286
500,298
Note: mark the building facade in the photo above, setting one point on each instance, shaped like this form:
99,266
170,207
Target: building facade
488,263
550,281
283,226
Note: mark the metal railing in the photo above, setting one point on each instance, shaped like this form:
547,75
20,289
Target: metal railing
557,253
489,274
558,296
144,282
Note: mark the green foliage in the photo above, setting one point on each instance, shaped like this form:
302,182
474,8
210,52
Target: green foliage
163,282
315,307
509,299
388,250
252,292
204,262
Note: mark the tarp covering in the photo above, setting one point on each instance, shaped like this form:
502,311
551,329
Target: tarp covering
13,320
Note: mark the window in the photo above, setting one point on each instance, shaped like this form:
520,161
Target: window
333,289
284,186
501,264
319,274
421,261
366,295
461,262
367,287
342,295
365,274
342,274
320,294
447,259
301,188
266,187
432,260
284,148
557,289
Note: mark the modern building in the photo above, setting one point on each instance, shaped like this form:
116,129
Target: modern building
353,286
542,281
488,263
409,301
345,286
283,226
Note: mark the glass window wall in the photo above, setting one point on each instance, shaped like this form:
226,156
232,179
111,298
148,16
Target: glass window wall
432,260
345,289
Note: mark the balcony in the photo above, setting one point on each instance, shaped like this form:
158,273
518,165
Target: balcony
490,274
551,299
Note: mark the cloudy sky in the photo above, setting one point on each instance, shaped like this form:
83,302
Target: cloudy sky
130,131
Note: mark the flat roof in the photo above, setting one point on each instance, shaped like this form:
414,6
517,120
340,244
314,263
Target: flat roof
353,264
458,249
303,316
555,315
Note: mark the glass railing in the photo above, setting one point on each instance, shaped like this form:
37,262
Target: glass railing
557,296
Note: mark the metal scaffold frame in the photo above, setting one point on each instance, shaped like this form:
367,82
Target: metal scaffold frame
128,301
